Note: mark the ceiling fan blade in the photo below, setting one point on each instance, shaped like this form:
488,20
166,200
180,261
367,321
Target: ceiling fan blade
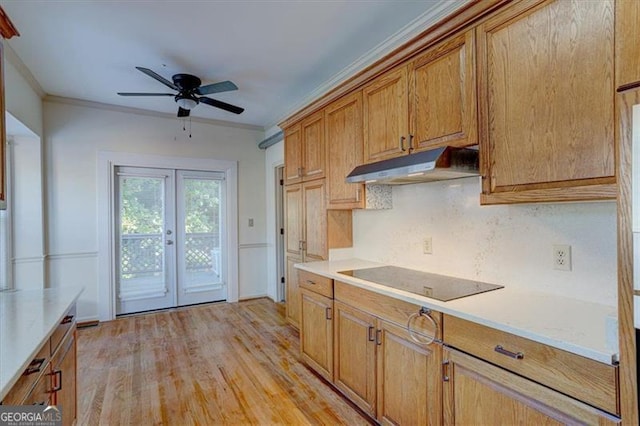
222,105
183,112
158,77
223,86
144,94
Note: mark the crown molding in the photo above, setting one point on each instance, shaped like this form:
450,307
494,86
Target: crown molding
13,58
439,11
149,113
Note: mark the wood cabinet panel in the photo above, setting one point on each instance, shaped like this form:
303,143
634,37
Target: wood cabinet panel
409,379
316,283
343,122
545,123
293,292
64,378
585,379
294,223
316,332
355,356
477,392
386,116
30,375
627,46
315,220
292,155
313,143
443,95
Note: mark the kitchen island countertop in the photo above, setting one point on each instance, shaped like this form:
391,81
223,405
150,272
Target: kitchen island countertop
27,320
572,325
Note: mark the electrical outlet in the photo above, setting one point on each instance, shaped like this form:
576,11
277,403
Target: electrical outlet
562,257
427,248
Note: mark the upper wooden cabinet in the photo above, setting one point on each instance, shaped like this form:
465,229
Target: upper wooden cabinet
442,90
292,154
304,154
343,123
546,78
627,46
386,116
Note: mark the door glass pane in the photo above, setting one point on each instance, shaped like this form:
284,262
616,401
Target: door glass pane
142,260
202,226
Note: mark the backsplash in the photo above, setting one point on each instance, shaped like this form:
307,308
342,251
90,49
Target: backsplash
510,245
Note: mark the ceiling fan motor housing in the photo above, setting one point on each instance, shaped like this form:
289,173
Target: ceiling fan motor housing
186,82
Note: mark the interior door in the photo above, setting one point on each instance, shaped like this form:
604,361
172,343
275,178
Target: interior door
200,237
145,264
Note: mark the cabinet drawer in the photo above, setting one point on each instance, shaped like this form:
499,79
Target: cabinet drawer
387,308
38,366
587,380
66,323
316,283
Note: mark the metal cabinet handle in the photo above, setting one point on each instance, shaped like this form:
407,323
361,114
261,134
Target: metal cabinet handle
358,195
311,282
169,242
371,335
67,319
402,148
445,371
410,142
34,366
327,313
423,312
503,351
58,381
378,337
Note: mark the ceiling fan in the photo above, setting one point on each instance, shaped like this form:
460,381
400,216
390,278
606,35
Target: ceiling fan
190,92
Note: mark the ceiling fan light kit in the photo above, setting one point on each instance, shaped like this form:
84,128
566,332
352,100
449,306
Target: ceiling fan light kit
188,86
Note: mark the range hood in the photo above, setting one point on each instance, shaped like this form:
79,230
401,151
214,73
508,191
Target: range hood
428,166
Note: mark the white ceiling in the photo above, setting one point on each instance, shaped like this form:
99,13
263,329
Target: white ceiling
277,52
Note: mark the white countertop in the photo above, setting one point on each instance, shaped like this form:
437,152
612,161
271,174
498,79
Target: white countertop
569,324
27,319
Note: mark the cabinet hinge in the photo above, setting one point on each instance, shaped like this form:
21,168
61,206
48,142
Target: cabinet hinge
281,182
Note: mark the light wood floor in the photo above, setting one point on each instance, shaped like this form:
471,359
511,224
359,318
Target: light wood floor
204,365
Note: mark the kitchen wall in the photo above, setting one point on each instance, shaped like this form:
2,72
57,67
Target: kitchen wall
22,92
509,245
76,132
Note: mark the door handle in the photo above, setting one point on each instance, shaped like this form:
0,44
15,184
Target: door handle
169,242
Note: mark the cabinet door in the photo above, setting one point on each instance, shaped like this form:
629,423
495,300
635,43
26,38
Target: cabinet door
548,129
316,332
293,292
343,120
292,154
409,379
386,116
64,379
477,392
294,220
315,221
313,147
355,356
443,95
41,393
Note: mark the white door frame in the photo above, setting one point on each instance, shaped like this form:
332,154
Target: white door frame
107,161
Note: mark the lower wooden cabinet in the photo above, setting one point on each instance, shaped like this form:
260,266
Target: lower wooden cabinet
382,370
41,393
476,392
316,332
64,378
293,292
409,378
355,356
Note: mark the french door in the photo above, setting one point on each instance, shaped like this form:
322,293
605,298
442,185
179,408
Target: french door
169,239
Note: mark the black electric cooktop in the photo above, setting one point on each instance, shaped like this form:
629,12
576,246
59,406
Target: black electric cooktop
439,287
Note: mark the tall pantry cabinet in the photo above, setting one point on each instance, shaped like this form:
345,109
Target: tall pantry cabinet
310,229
